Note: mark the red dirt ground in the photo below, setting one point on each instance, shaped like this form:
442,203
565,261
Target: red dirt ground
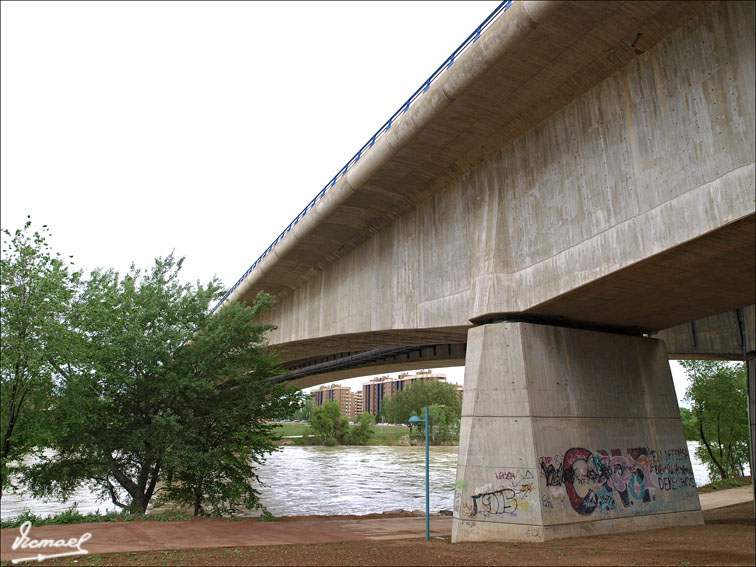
728,537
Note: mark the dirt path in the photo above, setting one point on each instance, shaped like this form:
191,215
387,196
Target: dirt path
727,537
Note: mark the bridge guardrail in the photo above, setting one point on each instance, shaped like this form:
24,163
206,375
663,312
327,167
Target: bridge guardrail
471,39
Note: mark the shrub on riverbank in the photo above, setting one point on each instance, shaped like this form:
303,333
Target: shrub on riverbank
73,516
296,434
724,484
330,427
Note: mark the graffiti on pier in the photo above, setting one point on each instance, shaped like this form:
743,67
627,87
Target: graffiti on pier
553,471
503,501
602,481
510,498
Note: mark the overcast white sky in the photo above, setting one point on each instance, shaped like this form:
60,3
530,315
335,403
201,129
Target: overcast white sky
137,128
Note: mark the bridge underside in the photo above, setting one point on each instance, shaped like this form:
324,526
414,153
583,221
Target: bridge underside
691,282
553,202
703,277
341,366
725,336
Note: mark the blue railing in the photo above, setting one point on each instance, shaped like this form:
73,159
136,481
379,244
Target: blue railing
472,38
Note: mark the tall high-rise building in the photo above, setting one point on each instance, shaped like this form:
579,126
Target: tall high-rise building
348,401
357,403
375,392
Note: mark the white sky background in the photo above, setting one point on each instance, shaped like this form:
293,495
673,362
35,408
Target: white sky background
137,128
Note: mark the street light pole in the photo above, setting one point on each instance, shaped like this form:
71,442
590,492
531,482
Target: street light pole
427,480
415,419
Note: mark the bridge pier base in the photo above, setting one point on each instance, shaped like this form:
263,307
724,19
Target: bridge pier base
568,432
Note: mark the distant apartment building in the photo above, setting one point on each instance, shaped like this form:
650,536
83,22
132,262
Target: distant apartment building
357,403
349,402
375,392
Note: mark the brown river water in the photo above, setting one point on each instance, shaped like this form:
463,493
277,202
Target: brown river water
316,480
327,480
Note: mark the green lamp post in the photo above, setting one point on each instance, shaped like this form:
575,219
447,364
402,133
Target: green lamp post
415,419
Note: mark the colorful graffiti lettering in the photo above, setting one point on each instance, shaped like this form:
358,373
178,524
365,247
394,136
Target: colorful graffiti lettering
509,475
592,479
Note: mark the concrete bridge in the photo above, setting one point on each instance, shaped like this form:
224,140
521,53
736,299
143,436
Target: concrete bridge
575,183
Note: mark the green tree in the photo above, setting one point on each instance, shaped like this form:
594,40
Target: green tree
690,425
304,410
444,407
718,398
35,292
411,401
361,433
148,388
225,428
442,423
328,424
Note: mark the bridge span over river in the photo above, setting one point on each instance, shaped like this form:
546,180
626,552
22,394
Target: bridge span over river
564,204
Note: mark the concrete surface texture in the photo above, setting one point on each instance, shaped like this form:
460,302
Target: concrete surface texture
719,337
568,432
552,172
724,498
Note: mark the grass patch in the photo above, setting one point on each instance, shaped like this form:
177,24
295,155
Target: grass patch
167,516
726,483
70,516
267,517
382,434
288,429
73,516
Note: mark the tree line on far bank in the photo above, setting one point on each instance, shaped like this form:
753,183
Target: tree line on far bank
331,427
140,393
718,416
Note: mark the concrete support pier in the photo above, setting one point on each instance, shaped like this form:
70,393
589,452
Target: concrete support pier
568,432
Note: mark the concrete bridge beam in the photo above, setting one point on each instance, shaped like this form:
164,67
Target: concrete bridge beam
568,432
724,336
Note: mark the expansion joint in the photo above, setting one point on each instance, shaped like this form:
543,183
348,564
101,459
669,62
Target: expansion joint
519,317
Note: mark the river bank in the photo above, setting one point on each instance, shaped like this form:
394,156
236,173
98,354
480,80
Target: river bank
172,514
299,434
726,538
303,481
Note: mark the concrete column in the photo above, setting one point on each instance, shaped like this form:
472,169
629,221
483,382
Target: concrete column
747,327
751,370
568,432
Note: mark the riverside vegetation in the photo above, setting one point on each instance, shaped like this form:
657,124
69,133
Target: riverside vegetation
718,418
301,434
132,383
328,426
